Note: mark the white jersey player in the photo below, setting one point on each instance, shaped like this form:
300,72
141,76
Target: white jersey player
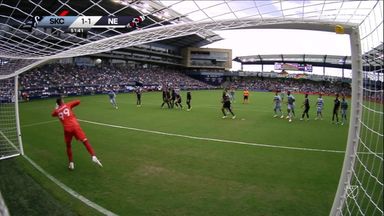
277,101
319,105
291,106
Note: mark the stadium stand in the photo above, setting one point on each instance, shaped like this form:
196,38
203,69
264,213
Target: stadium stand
56,79
295,85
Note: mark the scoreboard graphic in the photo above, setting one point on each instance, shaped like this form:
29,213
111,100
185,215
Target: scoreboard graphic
81,23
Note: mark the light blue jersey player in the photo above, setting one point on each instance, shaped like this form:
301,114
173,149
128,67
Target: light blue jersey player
319,105
291,106
112,98
277,101
282,95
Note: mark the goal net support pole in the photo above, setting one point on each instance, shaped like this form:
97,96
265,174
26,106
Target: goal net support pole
18,130
354,122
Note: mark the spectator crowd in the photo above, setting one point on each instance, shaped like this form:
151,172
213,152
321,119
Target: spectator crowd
295,85
67,79
56,79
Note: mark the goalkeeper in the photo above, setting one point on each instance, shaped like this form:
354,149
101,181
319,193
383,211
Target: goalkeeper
72,129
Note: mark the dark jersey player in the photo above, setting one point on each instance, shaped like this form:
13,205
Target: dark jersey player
344,108
336,107
226,100
72,129
165,98
173,97
189,98
178,101
138,92
306,107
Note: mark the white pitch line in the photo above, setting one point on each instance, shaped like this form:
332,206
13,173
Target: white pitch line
63,186
70,191
212,139
39,123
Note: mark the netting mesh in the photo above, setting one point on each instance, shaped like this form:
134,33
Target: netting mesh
8,133
18,40
364,195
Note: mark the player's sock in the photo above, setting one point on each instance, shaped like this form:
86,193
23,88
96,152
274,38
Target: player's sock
69,152
89,148
225,114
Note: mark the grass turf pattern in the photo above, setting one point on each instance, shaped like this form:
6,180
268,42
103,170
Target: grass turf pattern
152,174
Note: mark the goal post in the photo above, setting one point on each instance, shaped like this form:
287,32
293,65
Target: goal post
360,189
10,133
354,124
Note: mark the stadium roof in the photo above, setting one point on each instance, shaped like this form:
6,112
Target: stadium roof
315,60
21,49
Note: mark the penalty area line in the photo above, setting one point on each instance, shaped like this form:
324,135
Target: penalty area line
69,190
212,139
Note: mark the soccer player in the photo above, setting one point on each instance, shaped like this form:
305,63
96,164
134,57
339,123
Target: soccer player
344,107
173,97
232,92
72,129
291,106
336,107
112,98
165,98
189,98
306,107
282,95
245,95
138,92
226,105
320,105
277,101
178,101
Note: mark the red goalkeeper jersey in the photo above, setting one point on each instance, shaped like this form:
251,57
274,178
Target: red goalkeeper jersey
66,116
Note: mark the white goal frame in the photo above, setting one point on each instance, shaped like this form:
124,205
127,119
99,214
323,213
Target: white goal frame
147,35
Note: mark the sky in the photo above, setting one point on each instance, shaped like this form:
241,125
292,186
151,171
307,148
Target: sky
278,41
281,41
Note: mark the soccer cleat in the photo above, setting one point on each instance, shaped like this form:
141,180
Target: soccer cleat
71,166
274,116
224,117
96,161
290,120
287,117
282,116
233,117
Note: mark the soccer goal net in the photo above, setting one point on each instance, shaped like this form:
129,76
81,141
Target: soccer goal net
9,132
360,189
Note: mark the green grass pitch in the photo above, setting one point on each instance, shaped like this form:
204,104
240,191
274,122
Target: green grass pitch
148,173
